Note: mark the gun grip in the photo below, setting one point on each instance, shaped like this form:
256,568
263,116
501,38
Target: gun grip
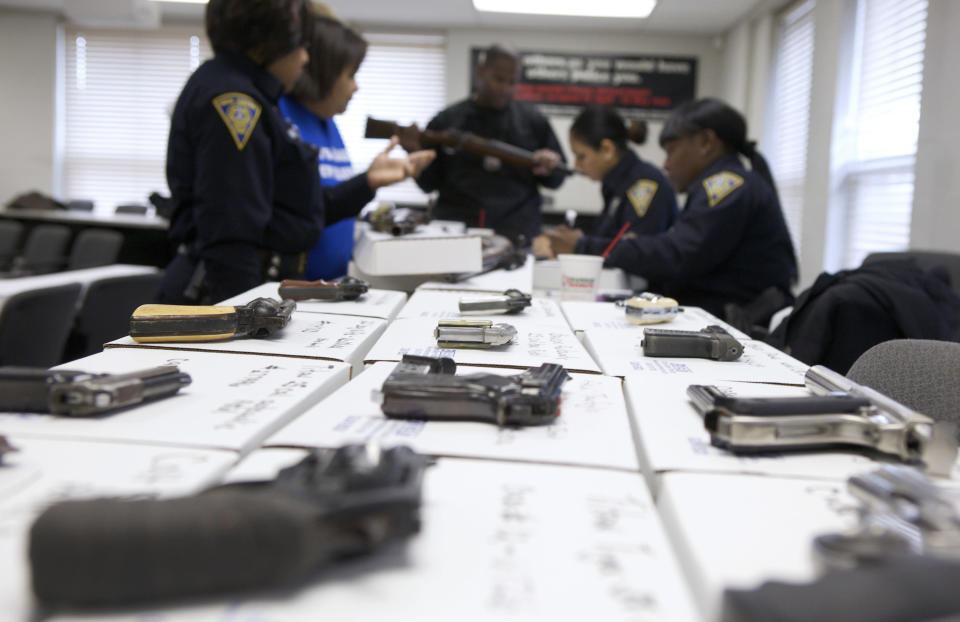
380,129
158,323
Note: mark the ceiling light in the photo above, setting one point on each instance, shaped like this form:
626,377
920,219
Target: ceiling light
579,8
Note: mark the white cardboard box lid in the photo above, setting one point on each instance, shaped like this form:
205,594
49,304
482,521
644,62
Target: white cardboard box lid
430,250
379,303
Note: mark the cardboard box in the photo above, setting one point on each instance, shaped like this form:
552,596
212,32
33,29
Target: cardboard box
436,248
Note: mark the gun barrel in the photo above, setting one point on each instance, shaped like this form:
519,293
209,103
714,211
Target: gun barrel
822,381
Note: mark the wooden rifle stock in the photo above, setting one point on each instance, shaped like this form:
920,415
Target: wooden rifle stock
463,141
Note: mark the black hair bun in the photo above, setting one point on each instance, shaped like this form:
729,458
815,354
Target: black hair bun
637,131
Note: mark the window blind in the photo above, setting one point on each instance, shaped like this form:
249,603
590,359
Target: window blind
793,75
402,79
885,104
119,92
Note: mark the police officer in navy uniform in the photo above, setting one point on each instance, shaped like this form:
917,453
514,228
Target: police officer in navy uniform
730,242
635,192
484,191
247,197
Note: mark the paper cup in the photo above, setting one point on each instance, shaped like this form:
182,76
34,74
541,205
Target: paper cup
580,276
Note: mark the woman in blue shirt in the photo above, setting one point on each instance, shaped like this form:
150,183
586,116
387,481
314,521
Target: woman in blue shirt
324,90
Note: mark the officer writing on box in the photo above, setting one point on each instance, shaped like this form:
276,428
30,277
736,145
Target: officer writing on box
483,191
247,197
730,242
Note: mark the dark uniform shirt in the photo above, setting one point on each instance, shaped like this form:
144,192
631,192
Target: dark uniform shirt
245,189
634,192
729,243
486,191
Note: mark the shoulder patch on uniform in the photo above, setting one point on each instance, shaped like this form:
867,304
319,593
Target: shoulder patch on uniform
641,194
240,112
719,186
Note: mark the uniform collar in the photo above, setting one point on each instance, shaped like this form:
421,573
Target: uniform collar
617,177
271,88
726,162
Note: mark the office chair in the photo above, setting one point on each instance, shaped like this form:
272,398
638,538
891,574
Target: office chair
94,247
34,325
920,373
926,260
43,251
10,232
105,311
133,208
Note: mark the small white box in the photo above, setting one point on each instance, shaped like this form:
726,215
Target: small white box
433,249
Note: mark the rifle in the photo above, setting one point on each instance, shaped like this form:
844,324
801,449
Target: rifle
335,503
455,139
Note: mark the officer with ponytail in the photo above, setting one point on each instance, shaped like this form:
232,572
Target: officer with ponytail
634,191
730,242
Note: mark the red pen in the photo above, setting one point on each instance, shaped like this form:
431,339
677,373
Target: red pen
616,239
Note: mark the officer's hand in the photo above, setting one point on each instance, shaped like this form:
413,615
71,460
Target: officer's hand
385,170
542,248
544,161
563,239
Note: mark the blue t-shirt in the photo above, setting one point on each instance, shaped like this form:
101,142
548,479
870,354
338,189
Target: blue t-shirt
330,256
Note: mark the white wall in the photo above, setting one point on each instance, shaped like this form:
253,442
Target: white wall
936,201
28,44
580,193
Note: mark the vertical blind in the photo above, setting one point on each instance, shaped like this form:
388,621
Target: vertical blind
877,188
119,91
793,74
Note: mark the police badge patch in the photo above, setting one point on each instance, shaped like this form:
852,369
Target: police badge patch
641,194
719,186
240,112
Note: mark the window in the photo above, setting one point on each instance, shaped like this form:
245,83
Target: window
119,92
793,74
402,79
877,144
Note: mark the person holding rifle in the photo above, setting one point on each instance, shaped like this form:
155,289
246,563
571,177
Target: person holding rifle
486,191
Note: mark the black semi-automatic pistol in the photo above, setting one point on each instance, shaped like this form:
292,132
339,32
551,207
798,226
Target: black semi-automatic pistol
481,334
336,503
422,387
347,288
511,301
840,412
79,393
902,512
712,342
261,317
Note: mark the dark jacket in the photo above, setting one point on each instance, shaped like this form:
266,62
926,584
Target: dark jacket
634,192
729,244
486,191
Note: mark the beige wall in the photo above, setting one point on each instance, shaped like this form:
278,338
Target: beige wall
28,45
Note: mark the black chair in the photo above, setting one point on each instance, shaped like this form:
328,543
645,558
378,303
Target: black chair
34,325
920,373
949,263
132,208
105,311
10,233
44,251
94,247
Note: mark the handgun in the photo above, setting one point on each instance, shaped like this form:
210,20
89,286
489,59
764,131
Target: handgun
712,342
335,503
422,387
261,317
902,512
650,308
481,334
511,301
397,221
826,418
347,288
79,393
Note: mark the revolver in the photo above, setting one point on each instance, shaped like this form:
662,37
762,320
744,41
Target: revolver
511,301
712,342
480,334
840,412
78,393
335,503
649,308
423,387
261,317
902,512
347,288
